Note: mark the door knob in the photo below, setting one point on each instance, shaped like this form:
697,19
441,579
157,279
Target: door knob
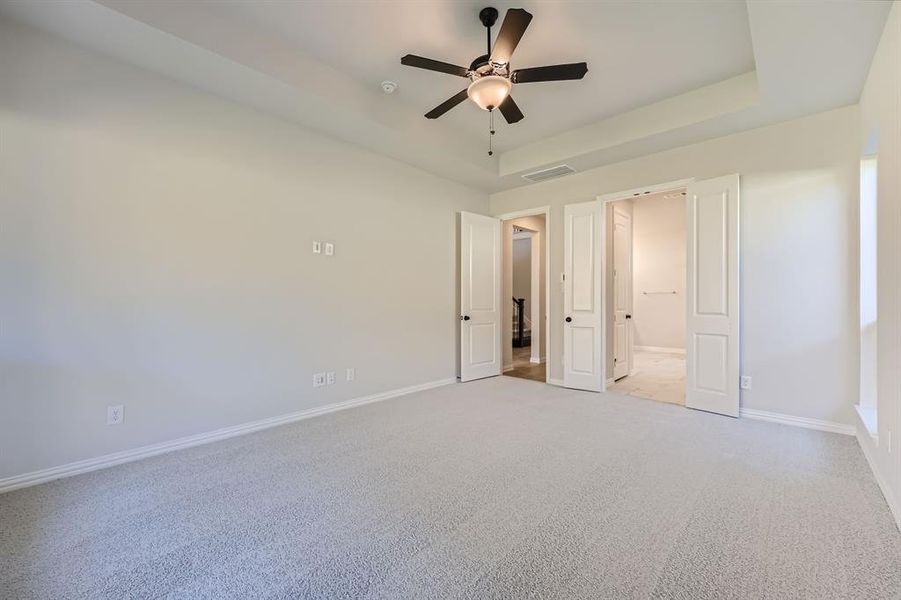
465,317
569,319
628,316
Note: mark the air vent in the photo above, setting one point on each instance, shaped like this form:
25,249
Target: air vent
558,171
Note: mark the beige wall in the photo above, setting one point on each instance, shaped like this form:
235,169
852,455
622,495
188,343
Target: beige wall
880,131
522,271
798,216
156,253
658,265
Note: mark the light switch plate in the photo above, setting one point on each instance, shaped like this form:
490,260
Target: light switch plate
318,379
330,378
329,249
351,373
317,247
746,382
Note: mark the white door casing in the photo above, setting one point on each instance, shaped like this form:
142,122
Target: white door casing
582,307
480,289
712,351
622,293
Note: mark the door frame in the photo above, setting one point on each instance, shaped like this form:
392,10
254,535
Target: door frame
604,199
545,326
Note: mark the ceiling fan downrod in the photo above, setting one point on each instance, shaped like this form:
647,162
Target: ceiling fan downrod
488,17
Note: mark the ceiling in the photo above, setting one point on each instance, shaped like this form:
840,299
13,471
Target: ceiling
660,72
637,53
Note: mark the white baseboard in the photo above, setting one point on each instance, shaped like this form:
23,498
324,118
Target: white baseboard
894,505
536,361
557,382
508,368
15,482
831,426
659,349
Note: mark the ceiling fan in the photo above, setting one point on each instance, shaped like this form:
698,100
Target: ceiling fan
491,78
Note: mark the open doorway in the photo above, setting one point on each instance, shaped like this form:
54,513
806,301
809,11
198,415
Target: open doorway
524,296
646,310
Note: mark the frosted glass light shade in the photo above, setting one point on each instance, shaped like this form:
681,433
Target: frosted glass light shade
489,91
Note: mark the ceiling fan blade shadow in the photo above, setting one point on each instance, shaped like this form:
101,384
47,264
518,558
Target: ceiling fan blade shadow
411,60
550,73
510,110
446,105
512,29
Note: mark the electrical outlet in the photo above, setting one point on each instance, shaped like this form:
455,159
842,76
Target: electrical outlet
318,379
746,382
115,415
330,377
317,247
329,249
351,373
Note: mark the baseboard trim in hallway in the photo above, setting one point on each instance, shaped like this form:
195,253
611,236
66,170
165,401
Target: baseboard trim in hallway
831,426
15,482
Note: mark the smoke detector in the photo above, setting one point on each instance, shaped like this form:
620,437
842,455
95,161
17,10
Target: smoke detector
388,87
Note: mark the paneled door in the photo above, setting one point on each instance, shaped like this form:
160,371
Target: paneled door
480,302
712,354
582,310
622,293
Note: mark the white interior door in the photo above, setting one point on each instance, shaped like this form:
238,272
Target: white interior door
712,359
622,293
480,288
582,309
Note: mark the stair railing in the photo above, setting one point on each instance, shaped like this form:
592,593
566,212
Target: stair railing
518,321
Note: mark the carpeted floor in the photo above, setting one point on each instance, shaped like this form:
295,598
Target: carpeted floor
502,488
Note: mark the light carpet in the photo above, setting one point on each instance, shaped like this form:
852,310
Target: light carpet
502,488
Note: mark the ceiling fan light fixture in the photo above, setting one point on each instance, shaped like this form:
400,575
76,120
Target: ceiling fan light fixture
490,91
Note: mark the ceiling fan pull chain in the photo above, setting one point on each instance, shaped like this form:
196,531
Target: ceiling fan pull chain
490,129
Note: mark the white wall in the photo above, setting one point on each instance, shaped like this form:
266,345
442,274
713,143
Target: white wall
156,253
658,265
798,235
880,131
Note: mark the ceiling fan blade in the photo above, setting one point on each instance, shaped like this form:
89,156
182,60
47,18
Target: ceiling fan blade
510,110
411,60
446,105
550,73
514,26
